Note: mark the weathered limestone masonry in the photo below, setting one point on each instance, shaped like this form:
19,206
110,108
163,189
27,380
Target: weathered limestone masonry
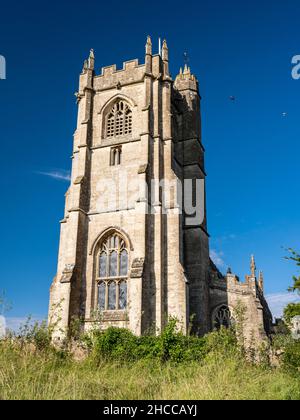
230,298
133,263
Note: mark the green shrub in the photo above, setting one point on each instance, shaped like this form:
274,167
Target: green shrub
36,333
114,343
291,356
171,342
281,341
222,342
176,347
147,348
41,336
120,344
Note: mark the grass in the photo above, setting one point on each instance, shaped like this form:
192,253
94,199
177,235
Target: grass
26,373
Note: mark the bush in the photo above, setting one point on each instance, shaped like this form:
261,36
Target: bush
171,345
36,337
223,341
36,333
290,311
281,341
291,357
114,343
41,336
176,347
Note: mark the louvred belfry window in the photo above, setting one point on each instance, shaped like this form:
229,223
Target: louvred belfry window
119,120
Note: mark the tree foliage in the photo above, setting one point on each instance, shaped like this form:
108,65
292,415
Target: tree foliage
295,257
291,310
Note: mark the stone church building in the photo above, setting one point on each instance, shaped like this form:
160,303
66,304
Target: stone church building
137,261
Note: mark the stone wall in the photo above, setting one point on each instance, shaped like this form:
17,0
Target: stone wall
246,303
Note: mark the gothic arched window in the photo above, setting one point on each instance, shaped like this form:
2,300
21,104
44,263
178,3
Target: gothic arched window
115,156
119,120
112,273
222,317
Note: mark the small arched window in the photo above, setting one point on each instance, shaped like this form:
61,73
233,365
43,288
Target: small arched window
115,156
119,120
222,317
112,274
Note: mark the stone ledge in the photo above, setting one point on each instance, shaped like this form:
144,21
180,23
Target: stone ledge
109,316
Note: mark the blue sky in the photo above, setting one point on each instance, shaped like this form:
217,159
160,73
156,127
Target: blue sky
252,150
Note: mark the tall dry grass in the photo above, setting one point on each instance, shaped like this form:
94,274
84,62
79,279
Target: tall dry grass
26,373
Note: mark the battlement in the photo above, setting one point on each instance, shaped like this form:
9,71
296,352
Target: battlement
127,66
111,77
231,282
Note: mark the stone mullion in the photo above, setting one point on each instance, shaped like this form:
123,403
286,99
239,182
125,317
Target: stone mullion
115,123
117,294
106,295
123,122
118,274
119,155
108,264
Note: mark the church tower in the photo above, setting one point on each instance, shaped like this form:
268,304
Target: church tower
133,250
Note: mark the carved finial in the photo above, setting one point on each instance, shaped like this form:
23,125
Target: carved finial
253,266
185,71
165,51
148,57
165,57
261,280
229,270
180,71
149,45
91,60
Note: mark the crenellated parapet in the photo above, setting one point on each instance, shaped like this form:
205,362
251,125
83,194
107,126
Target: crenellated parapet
231,282
111,77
